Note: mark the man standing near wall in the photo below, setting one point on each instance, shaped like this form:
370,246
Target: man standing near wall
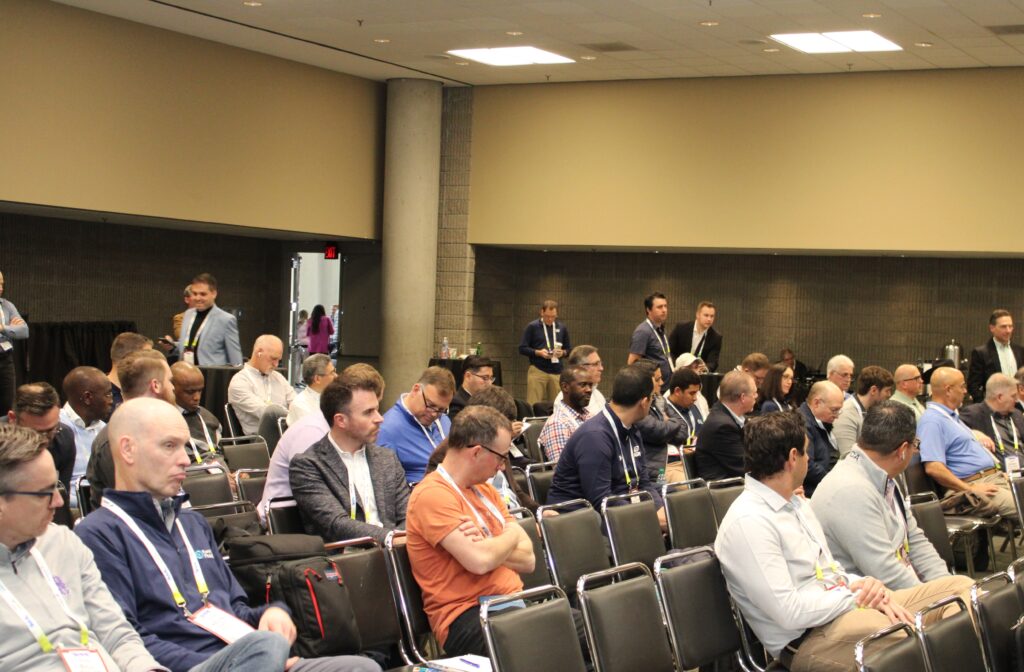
12,328
649,340
545,342
998,355
698,336
209,335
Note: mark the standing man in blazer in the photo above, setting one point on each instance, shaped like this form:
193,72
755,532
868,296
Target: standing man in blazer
209,335
698,336
345,485
999,355
720,444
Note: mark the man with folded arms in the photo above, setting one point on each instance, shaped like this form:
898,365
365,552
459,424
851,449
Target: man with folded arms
161,562
804,607
954,455
869,528
909,383
55,605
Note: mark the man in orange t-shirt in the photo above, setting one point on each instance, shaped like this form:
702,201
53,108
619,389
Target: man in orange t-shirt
463,544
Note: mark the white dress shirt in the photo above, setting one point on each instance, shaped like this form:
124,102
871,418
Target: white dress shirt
771,550
306,402
359,478
1007,362
84,436
250,392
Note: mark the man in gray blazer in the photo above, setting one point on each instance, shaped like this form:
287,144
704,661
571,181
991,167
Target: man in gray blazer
345,485
209,335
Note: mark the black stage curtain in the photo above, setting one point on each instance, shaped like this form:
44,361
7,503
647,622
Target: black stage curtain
54,348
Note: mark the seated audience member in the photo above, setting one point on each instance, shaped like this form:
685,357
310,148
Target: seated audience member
952,454
839,371
605,456
54,597
824,404
998,355
89,398
681,395
720,442
695,364
416,425
874,384
463,545
209,335
1019,378
999,419
868,527
307,431
698,336
774,392
659,429
149,550
258,393
345,485
317,373
189,382
37,407
757,365
477,376
570,411
124,344
800,375
545,342
143,374
804,607
589,358
908,383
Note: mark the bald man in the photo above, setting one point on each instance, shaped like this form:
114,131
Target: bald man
189,383
258,389
89,400
952,453
822,408
148,438
909,384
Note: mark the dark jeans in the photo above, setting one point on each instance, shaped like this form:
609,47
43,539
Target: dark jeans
6,382
466,635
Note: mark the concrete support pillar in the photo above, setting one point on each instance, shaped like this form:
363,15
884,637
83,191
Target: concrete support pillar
412,165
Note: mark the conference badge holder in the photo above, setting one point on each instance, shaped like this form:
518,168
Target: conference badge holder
82,659
226,627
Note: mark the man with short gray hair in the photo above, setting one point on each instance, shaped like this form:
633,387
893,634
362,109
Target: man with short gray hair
317,373
1019,377
870,530
824,404
720,444
839,371
998,418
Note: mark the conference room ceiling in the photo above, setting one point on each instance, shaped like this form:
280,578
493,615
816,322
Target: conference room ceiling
626,39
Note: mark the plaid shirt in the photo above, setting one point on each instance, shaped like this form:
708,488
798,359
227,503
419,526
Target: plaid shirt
559,427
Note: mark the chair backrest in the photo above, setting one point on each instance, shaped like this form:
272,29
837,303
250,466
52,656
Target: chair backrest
519,476
723,494
917,479
1017,488
690,514
931,520
531,435
245,452
997,610
540,637
407,594
523,409
364,570
83,491
250,484
625,632
204,488
950,644
234,425
539,477
573,541
689,459
903,656
540,575
633,529
283,516
543,408
695,602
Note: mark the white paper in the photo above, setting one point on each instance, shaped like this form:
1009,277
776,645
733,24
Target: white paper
466,663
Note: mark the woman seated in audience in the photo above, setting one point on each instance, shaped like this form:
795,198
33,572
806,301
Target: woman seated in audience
775,392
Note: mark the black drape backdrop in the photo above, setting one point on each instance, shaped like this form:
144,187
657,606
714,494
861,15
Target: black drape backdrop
54,348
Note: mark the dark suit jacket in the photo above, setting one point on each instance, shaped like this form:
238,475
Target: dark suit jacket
459,402
985,362
658,430
822,457
681,340
62,448
719,446
319,482
979,417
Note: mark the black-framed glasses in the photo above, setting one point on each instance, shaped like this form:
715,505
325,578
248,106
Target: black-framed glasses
486,379
431,406
57,489
492,451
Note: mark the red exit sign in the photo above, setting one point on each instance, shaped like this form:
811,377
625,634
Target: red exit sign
331,251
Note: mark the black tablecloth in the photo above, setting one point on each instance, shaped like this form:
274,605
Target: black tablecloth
455,366
216,393
709,383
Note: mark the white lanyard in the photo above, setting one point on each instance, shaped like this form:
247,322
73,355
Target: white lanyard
779,404
440,428
999,437
33,626
819,571
209,439
483,500
165,571
663,342
700,344
352,486
554,335
688,419
632,457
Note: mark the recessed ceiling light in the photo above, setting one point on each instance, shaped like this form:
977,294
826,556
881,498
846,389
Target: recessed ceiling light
923,45
771,50
709,24
503,56
514,33
871,15
381,40
837,42
588,58
252,3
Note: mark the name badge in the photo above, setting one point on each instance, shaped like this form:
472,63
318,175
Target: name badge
1012,464
515,452
189,357
5,346
636,451
227,627
82,660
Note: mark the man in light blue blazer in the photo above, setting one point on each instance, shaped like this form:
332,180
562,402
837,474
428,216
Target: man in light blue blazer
209,335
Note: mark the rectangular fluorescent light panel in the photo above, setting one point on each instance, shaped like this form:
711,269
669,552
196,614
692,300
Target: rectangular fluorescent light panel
502,56
837,42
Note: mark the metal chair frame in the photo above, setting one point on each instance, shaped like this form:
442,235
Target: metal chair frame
401,603
532,595
571,505
533,468
930,665
642,495
859,647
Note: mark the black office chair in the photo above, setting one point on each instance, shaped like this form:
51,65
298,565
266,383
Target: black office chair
234,425
530,436
950,644
689,459
283,516
523,409
539,477
723,493
903,656
623,620
519,476
540,575
936,525
690,514
250,483
997,610
408,597
574,543
633,528
83,491
205,488
540,637
245,452
543,408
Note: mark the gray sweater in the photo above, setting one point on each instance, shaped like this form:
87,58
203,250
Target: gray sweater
87,596
862,530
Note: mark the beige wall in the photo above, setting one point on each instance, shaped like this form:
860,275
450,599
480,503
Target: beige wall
916,161
103,114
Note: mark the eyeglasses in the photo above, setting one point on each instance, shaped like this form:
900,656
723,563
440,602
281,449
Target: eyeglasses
906,380
486,379
431,406
57,489
500,456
